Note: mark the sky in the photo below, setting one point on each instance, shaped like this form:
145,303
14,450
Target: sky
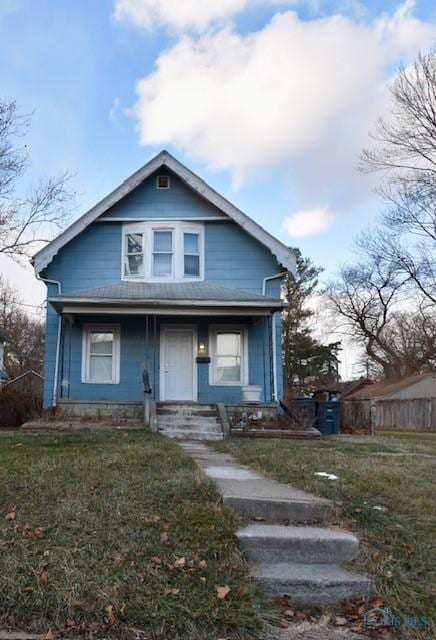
270,101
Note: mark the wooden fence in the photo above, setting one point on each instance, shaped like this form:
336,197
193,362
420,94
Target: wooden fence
414,415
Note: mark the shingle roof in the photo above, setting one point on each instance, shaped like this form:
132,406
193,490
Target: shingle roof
387,387
167,291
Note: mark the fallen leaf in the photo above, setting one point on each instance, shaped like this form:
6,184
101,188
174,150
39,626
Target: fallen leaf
377,602
43,578
289,613
376,555
202,564
203,579
49,635
156,560
180,562
164,536
38,533
340,621
27,590
11,515
222,592
172,591
109,611
389,574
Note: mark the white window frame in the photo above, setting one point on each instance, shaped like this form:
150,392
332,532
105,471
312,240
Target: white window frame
131,229
179,228
86,343
220,328
163,176
172,253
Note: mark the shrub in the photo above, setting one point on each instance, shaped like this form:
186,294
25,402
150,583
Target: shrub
18,406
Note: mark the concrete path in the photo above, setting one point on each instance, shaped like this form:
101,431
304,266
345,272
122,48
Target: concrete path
288,553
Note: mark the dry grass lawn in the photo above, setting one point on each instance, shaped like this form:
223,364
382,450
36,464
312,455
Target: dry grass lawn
117,531
386,493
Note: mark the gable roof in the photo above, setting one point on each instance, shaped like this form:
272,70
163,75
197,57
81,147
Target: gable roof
387,387
285,255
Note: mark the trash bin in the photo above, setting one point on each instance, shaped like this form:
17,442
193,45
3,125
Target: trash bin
328,417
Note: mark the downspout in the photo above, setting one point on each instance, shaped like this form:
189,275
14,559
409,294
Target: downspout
273,331
58,341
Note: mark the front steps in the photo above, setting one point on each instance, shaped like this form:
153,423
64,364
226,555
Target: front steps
287,553
184,421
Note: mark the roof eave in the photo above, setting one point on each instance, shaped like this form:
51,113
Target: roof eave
284,255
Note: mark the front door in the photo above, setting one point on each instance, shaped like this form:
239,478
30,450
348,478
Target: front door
177,370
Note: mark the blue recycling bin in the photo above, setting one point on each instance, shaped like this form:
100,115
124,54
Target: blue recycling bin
328,417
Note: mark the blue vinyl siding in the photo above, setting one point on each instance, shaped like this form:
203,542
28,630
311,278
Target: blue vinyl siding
135,349
148,202
233,258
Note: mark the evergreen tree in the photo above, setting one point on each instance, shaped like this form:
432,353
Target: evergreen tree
308,364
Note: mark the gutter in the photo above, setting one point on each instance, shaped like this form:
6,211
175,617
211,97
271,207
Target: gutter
58,339
273,329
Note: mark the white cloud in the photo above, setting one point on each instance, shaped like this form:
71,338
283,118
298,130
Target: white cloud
294,89
307,222
184,14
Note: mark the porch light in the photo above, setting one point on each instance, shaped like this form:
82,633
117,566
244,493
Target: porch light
202,355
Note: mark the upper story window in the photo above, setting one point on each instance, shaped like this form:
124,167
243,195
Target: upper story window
163,251
134,255
191,254
162,182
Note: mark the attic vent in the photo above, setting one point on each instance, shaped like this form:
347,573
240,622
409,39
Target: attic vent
162,182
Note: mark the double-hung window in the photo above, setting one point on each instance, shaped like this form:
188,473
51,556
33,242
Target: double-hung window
229,356
101,354
134,255
191,254
163,253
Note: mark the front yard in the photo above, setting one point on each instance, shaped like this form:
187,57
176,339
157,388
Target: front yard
113,532
386,493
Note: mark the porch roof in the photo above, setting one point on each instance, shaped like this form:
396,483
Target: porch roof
163,295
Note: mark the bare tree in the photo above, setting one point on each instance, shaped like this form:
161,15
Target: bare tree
25,346
364,297
405,153
29,219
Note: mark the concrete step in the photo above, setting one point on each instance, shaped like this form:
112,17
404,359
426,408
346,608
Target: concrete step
181,426
204,413
178,434
305,544
187,408
310,584
273,510
185,419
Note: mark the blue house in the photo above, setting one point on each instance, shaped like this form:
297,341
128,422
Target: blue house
164,275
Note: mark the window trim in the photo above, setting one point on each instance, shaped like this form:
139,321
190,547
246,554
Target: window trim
230,328
135,228
178,228
196,255
172,253
87,329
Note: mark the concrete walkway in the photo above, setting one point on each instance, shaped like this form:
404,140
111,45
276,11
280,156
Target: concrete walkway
288,552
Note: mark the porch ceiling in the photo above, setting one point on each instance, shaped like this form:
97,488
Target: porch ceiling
184,298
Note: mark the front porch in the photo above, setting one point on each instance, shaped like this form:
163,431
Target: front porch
192,343
103,359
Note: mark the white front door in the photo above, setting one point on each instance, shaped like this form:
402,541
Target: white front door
177,366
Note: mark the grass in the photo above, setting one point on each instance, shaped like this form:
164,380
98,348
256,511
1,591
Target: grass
113,532
397,473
